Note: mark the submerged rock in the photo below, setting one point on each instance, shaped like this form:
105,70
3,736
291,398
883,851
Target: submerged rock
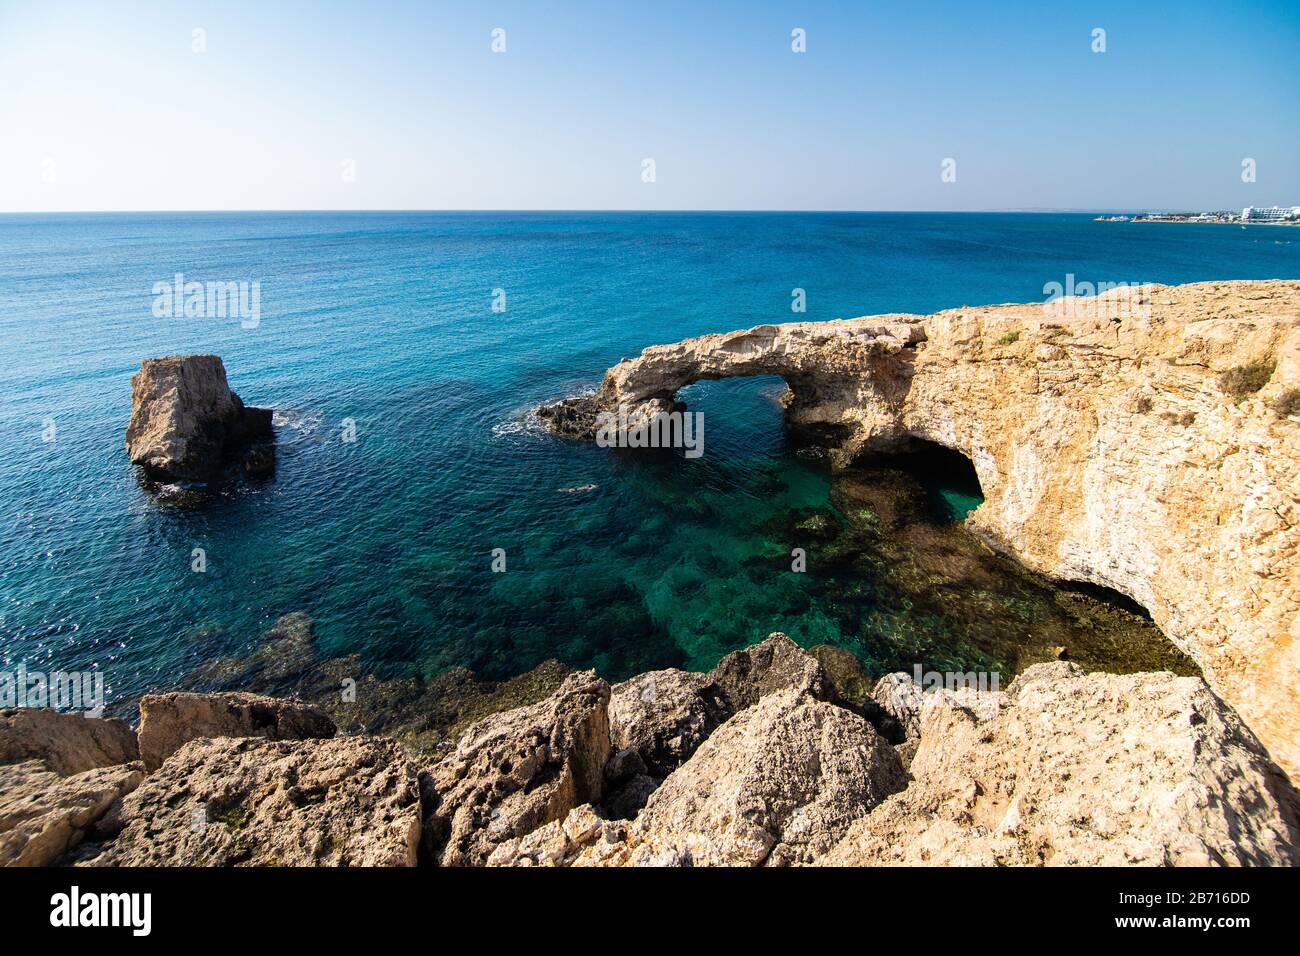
168,721
1085,769
346,801
516,771
186,424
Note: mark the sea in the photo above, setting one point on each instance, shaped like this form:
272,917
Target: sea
418,513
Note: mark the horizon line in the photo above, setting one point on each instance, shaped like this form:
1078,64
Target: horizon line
1043,210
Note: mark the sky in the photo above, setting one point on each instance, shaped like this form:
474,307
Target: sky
382,104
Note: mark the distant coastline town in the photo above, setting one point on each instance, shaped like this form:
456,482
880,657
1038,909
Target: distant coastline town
1262,215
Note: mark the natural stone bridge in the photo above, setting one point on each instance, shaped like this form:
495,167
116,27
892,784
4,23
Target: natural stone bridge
1157,454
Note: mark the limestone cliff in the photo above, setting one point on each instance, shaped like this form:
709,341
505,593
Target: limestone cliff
1148,443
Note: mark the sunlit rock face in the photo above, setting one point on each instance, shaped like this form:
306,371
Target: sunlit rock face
1140,442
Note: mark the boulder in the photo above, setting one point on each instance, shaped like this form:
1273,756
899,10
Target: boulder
168,721
518,770
777,784
664,716
1085,769
344,801
67,743
778,663
186,423
43,814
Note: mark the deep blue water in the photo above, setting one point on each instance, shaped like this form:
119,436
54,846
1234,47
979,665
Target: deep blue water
386,319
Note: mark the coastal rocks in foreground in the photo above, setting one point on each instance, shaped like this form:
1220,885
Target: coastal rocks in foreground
44,815
59,775
778,784
168,721
67,743
516,771
187,425
1062,768
1085,769
345,801
1138,442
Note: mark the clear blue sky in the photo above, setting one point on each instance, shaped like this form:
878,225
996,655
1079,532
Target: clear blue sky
104,105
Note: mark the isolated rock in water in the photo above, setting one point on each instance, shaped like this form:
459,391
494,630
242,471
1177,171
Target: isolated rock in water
518,770
167,721
68,743
776,664
186,423
664,715
345,801
778,784
43,814
1085,769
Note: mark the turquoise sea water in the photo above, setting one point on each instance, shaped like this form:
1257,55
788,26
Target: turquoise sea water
387,319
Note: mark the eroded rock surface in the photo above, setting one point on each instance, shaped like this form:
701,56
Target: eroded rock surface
67,743
345,801
1085,769
1114,447
778,663
777,784
516,771
43,814
664,716
168,721
186,423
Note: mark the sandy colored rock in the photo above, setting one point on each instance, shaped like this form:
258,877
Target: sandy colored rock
906,701
559,842
665,715
1085,769
778,663
777,784
168,721
186,423
345,801
1111,442
518,770
43,815
67,743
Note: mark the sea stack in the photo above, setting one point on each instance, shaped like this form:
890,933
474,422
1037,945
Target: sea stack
186,423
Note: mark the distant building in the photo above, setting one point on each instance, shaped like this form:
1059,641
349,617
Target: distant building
1270,213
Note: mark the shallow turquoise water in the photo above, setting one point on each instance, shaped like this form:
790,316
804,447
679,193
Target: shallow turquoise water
386,319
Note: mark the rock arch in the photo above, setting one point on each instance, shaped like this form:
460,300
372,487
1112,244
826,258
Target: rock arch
1108,447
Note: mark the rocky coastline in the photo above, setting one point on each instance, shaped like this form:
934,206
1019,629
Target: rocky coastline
1147,442
772,758
1157,454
